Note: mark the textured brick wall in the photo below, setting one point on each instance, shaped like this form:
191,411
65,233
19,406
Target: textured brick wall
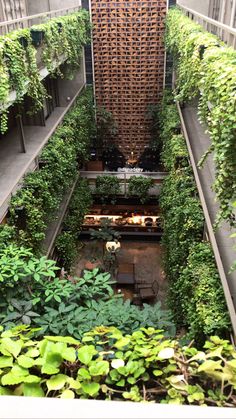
129,64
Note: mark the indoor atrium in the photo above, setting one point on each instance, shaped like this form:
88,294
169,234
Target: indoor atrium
117,209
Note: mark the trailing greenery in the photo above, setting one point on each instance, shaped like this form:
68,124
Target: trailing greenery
43,191
201,297
105,364
67,242
139,186
106,130
207,66
195,295
65,35
107,187
61,37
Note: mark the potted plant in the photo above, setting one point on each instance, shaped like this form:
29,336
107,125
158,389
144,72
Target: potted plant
139,186
107,188
37,36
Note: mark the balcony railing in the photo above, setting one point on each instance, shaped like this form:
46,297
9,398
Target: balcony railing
28,21
225,32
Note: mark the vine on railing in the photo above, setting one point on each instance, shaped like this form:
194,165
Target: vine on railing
207,67
195,293
62,36
35,204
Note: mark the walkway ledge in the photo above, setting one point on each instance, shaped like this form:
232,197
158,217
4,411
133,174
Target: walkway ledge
12,407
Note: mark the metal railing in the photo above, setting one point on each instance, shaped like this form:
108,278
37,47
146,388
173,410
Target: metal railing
28,21
225,32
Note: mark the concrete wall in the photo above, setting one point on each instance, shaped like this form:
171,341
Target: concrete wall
201,6
34,7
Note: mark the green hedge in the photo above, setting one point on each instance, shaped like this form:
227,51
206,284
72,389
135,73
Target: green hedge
195,293
206,66
44,189
201,295
67,241
105,364
65,35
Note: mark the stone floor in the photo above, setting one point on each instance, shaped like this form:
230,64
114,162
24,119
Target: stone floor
146,257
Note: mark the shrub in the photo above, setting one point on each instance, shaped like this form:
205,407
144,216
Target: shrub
105,364
195,293
35,204
139,186
107,187
207,66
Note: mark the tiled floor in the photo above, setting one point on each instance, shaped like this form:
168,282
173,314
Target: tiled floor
146,257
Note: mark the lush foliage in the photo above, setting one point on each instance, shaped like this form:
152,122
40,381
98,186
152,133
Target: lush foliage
23,277
43,191
62,37
32,294
79,317
106,130
195,293
67,242
201,298
204,64
143,366
107,187
65,35
105,233
139,186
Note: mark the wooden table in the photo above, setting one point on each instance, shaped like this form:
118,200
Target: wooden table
125,274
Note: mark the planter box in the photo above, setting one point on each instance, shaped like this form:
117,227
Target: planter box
95,166
13,407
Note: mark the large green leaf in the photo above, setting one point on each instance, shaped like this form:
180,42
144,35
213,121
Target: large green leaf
86,353
56,382
9,346
25,361
33,390
99,368
6,361
90,388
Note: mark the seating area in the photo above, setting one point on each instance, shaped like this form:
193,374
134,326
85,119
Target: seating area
144,291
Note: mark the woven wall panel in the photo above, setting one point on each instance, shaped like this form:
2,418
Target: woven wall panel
129,64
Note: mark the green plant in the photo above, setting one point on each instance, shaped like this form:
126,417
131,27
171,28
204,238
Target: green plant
80,317
205,65
19,69
19,312
106,129
66,245
80,203
199,290
107,187
35,204
105,364
105,233
94,285
139,186
20,263
67,242
195,294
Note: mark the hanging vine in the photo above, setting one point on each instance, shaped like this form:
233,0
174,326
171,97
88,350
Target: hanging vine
206,67
62,40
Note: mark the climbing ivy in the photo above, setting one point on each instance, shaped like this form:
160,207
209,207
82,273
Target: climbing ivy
195,294
34,205
205,66
62,40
